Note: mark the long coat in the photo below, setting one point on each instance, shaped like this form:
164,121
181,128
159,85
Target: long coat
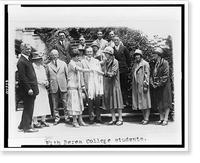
27,77
63,50
57,76
123,57
161,97
112,98
141,74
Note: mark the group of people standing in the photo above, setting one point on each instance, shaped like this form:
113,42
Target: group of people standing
91,73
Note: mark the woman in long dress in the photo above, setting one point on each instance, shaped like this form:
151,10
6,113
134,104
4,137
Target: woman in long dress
112,98
41,107
161,97
76,86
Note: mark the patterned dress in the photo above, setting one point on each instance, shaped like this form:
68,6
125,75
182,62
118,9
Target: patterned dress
74,96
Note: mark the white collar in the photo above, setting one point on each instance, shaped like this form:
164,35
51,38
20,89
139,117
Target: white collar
89,59
36,66
25,56
117,47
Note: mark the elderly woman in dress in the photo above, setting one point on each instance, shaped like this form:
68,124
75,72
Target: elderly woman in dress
112,98
41,107
161,88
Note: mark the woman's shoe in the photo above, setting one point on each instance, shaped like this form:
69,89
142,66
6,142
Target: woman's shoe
44,124
119,123
75,124
112,122
159,122
142,121
145,122
82,123
165,123
37,125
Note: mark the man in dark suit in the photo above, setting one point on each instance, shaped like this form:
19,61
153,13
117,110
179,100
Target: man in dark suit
121,53
63,47
28,88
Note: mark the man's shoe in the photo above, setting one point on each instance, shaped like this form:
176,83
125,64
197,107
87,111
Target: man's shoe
100,121
20,128
91,122
30,130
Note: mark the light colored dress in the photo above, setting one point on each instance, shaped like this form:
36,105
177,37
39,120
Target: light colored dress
74,96
41,106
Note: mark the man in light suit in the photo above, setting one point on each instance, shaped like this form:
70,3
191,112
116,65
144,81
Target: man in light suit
28,88
93,85
57,75
63,47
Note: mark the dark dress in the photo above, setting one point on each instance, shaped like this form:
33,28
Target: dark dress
161,97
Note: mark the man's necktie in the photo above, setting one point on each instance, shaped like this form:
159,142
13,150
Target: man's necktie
56,63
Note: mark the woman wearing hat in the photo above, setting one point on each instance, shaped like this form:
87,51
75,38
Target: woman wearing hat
81,53
41,107
112,98
140,86
76,85
161,88
96,51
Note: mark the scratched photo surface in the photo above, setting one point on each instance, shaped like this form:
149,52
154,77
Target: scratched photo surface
82,61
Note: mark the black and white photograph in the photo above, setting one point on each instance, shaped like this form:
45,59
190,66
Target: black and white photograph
99,76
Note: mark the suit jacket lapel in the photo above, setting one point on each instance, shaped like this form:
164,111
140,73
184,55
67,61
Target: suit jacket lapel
61,47
58,65
117,52
120,49
27,61
53,67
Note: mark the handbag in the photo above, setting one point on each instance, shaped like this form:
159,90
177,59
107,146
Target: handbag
85,97
145,87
